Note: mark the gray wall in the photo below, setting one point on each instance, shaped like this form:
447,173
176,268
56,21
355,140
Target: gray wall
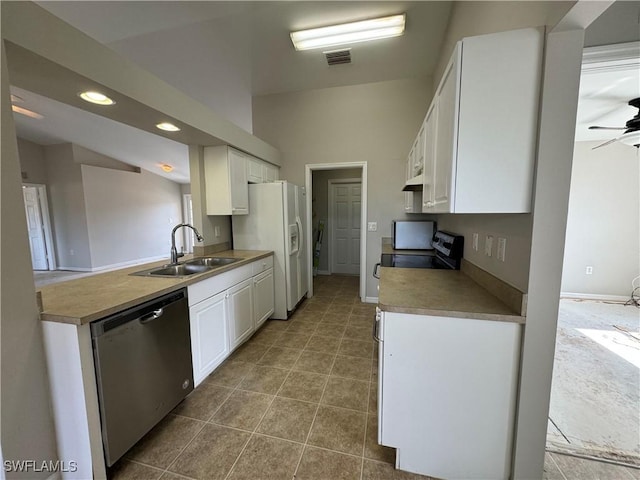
129,215
25,412
375,123
67,205
320,206
604,206
32,162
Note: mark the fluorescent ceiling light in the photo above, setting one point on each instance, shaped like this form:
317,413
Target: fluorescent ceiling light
96,97
167,127
348,33
26,112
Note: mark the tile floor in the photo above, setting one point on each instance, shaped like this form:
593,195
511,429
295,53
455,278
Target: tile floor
297,401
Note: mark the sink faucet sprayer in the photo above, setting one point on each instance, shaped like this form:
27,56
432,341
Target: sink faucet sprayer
174,252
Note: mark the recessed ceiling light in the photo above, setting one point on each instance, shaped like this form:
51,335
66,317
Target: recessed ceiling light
348,33
96,97
166,167
28,113
168,127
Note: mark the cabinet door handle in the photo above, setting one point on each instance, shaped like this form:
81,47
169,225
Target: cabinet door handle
152,316
375,271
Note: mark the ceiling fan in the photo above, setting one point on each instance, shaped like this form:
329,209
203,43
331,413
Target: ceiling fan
631,136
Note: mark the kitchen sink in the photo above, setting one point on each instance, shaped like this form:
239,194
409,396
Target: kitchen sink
212,261
191,267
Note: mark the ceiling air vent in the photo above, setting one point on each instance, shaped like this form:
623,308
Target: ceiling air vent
338,57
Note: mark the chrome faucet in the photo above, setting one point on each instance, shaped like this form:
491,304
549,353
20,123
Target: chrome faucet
174,252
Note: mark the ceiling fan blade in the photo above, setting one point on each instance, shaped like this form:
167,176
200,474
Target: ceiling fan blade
605,143
598,127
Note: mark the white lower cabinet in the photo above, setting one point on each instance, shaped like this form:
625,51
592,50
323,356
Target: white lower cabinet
263,297
241,322
447,394
225,310
209,337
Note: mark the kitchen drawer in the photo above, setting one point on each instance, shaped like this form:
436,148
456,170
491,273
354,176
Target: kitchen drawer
262,265
212,285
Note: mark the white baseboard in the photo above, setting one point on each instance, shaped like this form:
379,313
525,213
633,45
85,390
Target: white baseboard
115,266
593,296
323,272
371,299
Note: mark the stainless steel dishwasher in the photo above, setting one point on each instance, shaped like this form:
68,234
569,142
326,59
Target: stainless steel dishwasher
143,368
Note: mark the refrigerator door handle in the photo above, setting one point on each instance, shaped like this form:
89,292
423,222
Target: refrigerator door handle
300,236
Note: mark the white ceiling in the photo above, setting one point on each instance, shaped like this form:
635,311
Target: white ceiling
192,45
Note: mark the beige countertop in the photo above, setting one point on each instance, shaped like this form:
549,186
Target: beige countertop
91,298
446,293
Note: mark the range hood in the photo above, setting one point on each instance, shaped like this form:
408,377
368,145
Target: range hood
414,184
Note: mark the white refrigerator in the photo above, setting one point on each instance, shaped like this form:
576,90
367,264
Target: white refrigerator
276,221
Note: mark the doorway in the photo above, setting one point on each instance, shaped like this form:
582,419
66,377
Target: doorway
38,226
345,201
317,184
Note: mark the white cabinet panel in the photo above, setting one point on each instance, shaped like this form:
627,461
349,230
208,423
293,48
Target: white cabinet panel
448,394
241,322
209,335
255,170
271,173
263,297
227,191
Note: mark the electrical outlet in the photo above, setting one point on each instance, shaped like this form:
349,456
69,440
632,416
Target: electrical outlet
474,242
216,230
72,252
502,248
488,245
372,226
589,270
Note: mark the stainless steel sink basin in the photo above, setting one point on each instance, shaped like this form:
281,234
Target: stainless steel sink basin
191,267
212,261
179,270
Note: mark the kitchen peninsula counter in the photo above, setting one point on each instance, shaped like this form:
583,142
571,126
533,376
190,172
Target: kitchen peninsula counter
87,299
466,293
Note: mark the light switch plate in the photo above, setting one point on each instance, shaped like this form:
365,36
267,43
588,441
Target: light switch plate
488,245
372,226
216,230
475,242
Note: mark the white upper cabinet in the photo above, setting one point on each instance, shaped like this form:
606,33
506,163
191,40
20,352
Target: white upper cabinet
485,119
259,171
227,191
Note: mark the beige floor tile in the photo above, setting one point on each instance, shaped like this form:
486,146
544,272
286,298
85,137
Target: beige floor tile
364,334
551,470
316,362
167,476
229,374
267,337
293,340
303,327
330,330
288,419
355,348
352,367
346,393
280,357
318,343
316,307
163,443
340,308
274,326
203,401
250,352
211,454
264,379
364,321
305,386
373,397
242,410
373,470
372,449
267,458
338,429
347,299
127,470
364,309
339,318
301,316
318,464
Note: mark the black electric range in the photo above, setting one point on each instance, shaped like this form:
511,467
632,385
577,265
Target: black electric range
446,254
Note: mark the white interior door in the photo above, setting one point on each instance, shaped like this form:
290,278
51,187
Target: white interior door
345,202
35,228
